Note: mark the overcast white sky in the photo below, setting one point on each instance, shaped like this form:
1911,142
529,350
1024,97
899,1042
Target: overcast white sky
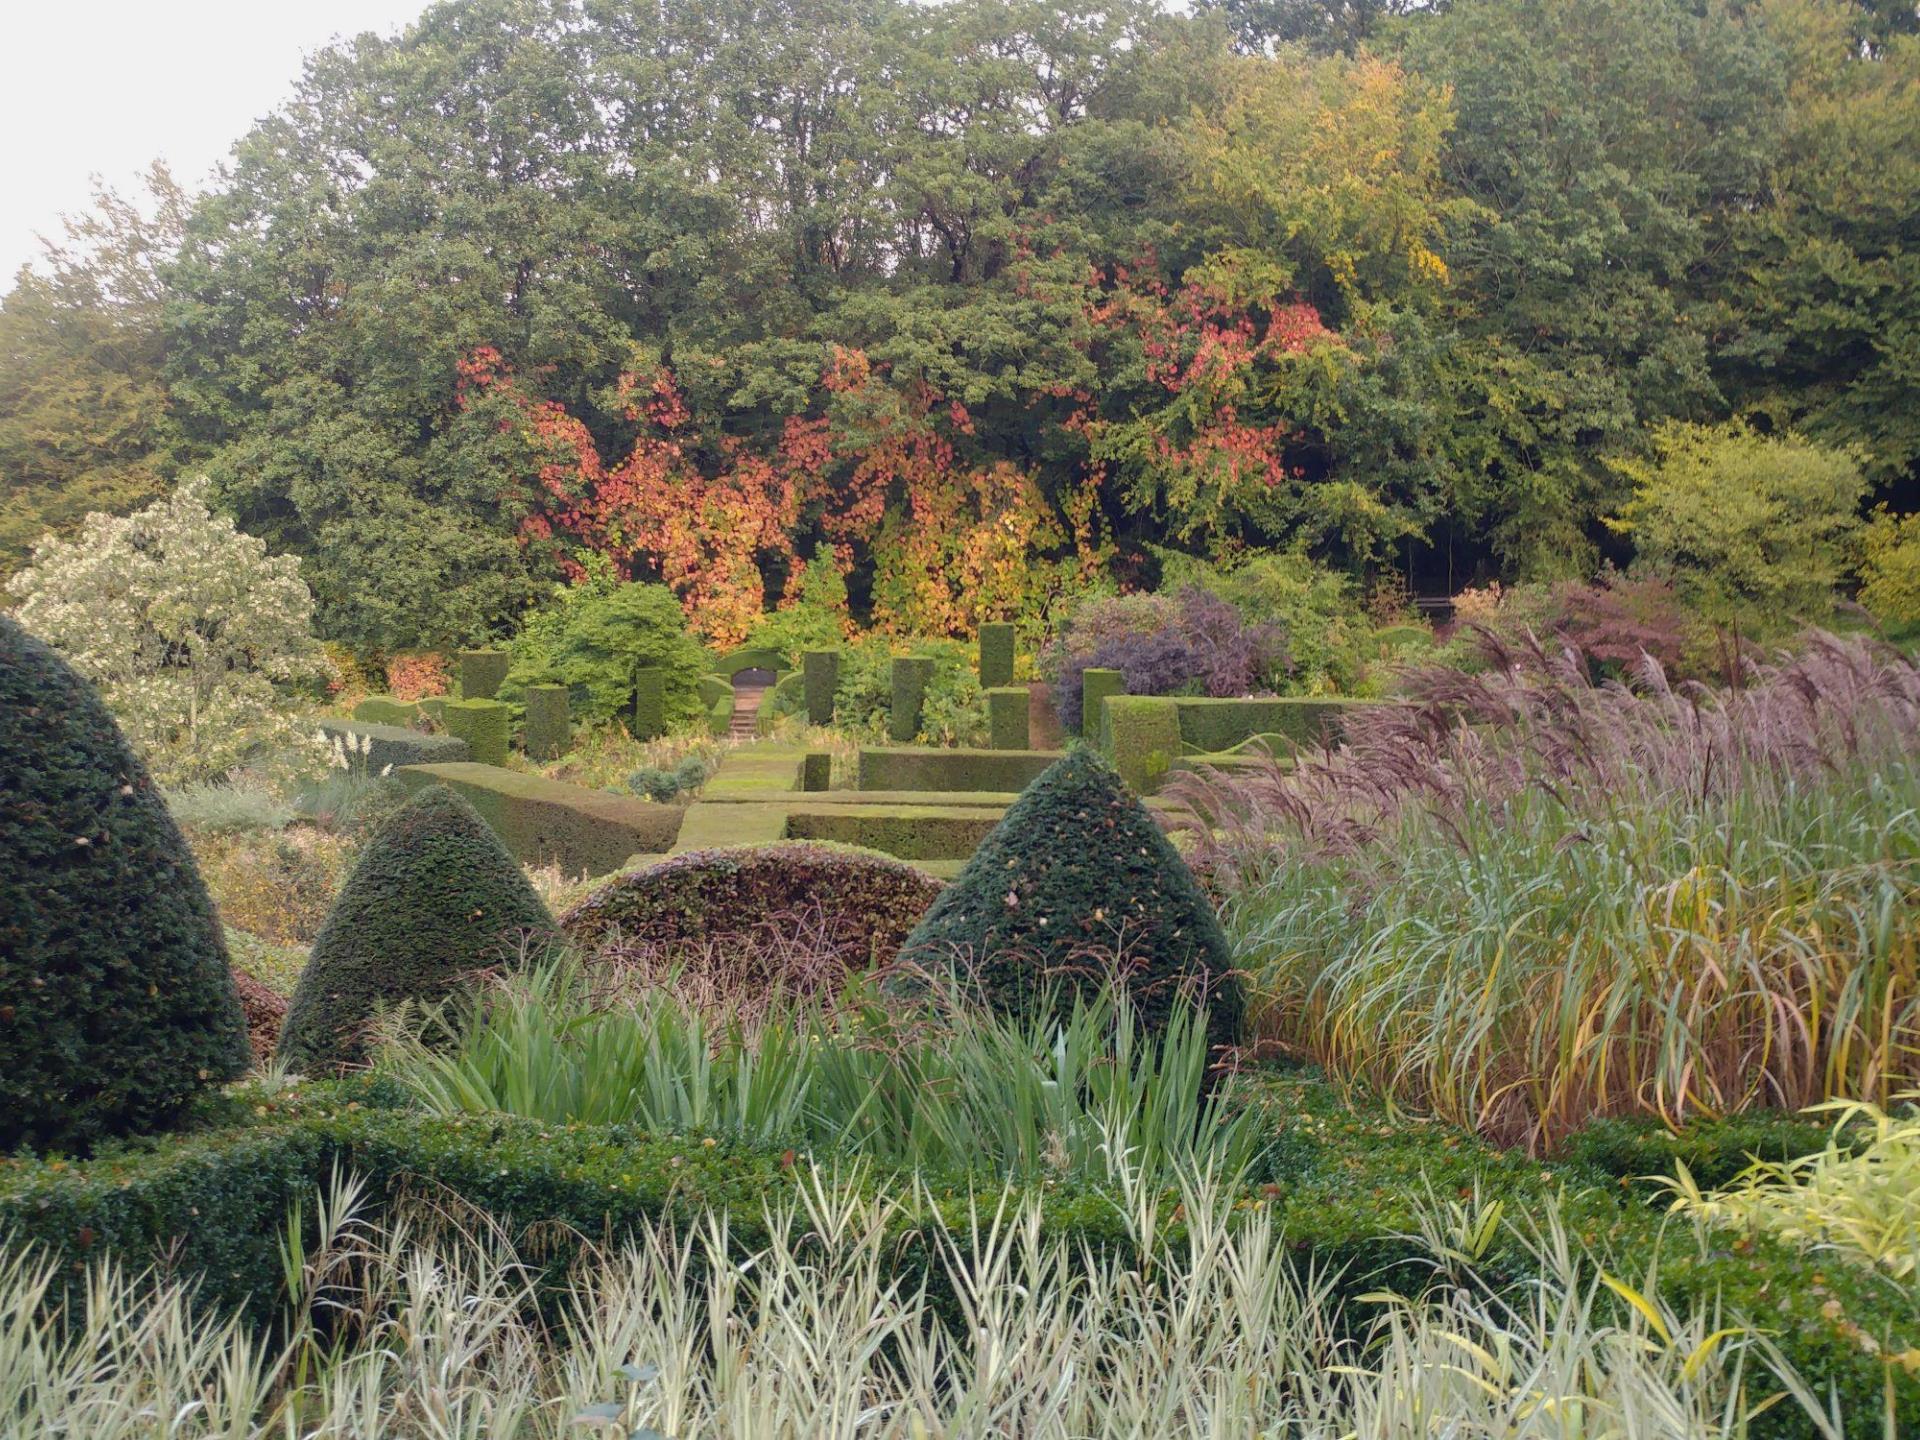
107,86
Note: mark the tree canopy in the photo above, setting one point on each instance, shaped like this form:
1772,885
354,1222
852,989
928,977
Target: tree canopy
986,301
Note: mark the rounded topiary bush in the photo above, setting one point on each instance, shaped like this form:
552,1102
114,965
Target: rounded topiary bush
117,1006
433,898
766,904
1074,882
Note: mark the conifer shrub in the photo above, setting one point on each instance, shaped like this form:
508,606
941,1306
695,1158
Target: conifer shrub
117,1006
433,898
1075,880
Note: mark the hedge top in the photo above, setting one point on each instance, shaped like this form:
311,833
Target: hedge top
117,1006
1076,878
433,898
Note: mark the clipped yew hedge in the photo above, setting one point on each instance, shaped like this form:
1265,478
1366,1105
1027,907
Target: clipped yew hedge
117,1006
433,898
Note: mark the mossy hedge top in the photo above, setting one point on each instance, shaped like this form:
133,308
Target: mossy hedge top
433,898
116,1002
1074,878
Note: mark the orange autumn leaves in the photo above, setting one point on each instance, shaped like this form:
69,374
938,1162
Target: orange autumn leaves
953,543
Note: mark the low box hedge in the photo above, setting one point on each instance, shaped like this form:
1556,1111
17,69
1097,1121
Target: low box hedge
1344,1183
906,832
547,822
950,770
385,710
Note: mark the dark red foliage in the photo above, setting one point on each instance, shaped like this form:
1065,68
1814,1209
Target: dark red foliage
1208,649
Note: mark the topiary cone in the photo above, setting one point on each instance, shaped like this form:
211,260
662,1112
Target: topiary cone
117,1005
433,898
1077,870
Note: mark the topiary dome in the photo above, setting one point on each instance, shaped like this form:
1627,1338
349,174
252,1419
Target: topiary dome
117,1006
865,903
434,897
1076,875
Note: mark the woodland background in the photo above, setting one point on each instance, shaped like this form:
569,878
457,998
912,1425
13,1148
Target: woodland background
990,305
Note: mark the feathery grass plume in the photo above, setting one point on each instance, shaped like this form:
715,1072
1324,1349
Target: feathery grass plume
1529,897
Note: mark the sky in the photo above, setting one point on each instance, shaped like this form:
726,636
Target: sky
108,86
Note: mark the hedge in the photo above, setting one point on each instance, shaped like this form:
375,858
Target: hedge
385,710
1343,1185
486,726
1076,869
547,730
714,688
1141,735
816,771
1209,725
952,770
649,703
432,897
1096,685
1008,714
786,696
909,832
392,745
910,676
117,1003
720,715
749,657
546,822
996,656
481,673
821,672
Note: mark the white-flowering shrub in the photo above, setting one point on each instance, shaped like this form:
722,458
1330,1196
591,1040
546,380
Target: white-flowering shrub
196,636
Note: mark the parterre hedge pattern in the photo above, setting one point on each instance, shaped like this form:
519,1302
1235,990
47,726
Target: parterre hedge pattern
996,655
433,898
117,1006
1096,685
821,669
1008,717
1078,872
649,703
1142,738
385,710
